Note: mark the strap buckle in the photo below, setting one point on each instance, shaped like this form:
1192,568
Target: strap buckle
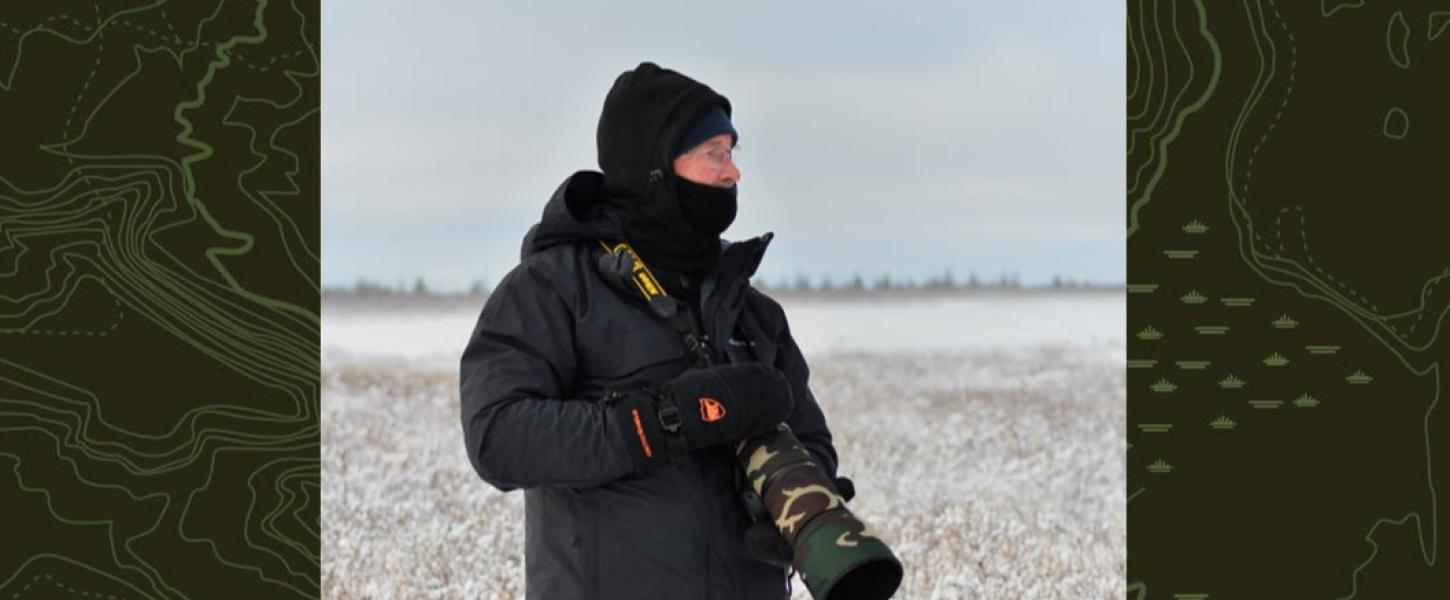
695,343
670,419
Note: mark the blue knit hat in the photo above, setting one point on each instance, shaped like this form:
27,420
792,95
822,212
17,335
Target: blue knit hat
709,124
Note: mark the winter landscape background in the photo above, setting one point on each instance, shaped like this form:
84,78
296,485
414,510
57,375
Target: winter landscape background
984,429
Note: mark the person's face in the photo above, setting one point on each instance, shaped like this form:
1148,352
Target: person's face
710,163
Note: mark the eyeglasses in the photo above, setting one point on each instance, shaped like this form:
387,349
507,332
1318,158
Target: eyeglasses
718,156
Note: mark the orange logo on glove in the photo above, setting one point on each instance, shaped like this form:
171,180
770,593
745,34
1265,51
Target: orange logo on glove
711,410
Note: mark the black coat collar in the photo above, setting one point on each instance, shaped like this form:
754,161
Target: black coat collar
731,273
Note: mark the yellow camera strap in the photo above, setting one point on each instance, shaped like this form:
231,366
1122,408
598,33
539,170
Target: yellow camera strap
661,303
640,274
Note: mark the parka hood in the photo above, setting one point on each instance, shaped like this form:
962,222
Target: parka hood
672,222
646,112
578,211
635,198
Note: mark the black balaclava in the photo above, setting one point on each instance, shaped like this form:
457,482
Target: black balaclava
673,223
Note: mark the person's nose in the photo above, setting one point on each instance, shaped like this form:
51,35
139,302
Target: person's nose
731,175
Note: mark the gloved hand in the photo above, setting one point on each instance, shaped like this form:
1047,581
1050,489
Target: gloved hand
763,541
698,409
846,487
728,403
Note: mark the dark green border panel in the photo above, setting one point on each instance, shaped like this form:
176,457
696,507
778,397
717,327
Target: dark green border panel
159,299
1288,196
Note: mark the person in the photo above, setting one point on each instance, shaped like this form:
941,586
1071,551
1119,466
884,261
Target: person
617,410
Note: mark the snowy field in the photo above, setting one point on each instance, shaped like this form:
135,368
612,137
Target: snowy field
985,435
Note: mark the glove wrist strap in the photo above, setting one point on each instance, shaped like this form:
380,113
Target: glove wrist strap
670,421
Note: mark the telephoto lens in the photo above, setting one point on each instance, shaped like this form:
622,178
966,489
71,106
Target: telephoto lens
837,555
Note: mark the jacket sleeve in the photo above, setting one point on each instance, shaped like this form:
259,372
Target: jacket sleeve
520,426
807,421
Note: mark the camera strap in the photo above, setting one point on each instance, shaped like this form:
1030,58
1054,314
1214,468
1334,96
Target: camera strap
668,308
661,304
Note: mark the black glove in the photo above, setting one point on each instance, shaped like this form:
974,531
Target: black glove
763,542
698,409
846,488
728,403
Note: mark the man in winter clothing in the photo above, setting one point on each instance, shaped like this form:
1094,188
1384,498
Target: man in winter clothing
615,409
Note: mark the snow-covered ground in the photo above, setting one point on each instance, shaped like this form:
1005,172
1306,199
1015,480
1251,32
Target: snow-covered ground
985,435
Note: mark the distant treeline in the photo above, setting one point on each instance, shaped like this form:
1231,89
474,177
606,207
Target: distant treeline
945,281
365,288
803,284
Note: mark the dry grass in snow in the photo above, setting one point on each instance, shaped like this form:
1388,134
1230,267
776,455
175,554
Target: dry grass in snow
991,474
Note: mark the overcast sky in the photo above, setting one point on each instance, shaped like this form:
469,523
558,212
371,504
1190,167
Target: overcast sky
901,137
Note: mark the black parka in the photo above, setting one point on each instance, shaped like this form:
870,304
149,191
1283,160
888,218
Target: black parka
561,329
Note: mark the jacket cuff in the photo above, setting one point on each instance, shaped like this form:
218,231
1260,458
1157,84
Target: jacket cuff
637,413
